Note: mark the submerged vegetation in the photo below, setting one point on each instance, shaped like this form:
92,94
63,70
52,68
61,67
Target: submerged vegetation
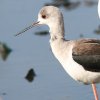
71,5
30,75
4,51
42,33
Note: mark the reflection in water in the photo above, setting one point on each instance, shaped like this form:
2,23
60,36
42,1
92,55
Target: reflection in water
97,31
30,75
65,3
69,5
4,51
90,3
81,36
4,93
42,33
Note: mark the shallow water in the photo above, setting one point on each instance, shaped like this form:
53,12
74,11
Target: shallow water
33,51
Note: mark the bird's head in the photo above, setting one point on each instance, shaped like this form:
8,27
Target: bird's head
48,15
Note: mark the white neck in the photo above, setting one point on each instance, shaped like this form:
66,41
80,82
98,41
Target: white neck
57,29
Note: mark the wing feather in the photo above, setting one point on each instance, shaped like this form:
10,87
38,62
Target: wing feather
87,53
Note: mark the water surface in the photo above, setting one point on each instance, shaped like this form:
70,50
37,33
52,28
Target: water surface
33,51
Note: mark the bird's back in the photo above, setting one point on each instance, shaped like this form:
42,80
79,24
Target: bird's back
87,53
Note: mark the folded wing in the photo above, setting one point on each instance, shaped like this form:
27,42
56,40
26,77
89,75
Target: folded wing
86,52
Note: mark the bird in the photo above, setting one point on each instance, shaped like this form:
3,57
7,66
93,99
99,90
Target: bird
80,58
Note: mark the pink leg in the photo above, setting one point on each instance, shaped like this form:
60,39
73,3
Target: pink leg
95,92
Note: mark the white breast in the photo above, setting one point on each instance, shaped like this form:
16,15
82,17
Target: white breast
63,52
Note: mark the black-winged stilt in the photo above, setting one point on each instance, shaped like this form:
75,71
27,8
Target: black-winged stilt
80,58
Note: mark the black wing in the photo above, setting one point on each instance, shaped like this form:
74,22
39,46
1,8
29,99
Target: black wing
86,52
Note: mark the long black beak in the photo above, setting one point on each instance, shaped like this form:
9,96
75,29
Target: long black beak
27,28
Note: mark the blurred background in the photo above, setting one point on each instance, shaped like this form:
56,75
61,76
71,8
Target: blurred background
28,69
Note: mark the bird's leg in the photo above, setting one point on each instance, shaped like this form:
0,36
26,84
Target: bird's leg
95,91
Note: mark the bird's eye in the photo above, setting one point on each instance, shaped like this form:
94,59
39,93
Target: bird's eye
44,16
